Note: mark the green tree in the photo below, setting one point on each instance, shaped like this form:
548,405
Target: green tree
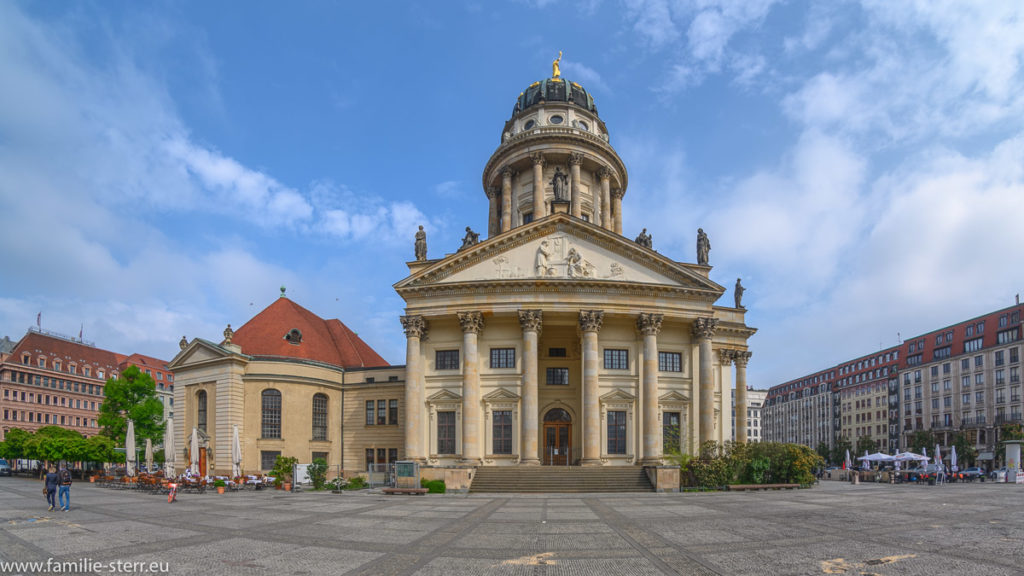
966,454
864,444
823,451
1008,431
920,440
13,446
839,450
99,449
55,444
133,396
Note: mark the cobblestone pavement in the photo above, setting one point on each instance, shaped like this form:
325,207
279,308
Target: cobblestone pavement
834,528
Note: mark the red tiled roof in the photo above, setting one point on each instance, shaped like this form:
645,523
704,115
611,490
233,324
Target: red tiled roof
35,344
143,361
327,341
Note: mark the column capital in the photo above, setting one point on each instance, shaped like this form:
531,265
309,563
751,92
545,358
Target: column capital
726,356
649,324
538,158
604,173
741,357
471,321
508,171
576,159
704,328
590,320
618,193
493,191
531,320
414,326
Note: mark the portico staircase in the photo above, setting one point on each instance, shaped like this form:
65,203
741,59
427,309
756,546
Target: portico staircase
560,479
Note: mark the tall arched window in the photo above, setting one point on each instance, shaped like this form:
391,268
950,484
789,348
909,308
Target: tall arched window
201,410
320,417
271,414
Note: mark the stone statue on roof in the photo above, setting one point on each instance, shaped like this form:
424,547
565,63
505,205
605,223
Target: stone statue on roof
644,239
421,245
703,247
470,238
738,294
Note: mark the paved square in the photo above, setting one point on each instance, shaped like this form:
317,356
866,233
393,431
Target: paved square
834,528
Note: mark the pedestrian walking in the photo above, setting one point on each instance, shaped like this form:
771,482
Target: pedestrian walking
64,490
50,487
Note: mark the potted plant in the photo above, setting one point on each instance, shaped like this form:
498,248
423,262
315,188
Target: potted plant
219,485
284,467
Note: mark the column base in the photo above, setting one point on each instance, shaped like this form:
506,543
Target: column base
530,462
652,462
591,462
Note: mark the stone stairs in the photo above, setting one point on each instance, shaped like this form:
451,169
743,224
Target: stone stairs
536,479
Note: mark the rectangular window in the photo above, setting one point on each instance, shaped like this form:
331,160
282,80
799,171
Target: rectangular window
965,364
946,385
999,358
947,402
965,381
1014,355
979,361
370,458
392,454
616,432
502,432
670,361
322,456
556,353
369,413
979,397
382,412
979,379
446,432
527,218
446,360
670,432
503,357
558,376
382,456
393,411
268,458
616,359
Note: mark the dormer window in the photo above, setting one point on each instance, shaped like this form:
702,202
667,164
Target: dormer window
294,336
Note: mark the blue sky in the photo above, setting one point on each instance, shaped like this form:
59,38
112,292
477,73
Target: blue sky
165,167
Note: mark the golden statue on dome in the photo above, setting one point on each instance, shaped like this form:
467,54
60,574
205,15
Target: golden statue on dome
555,70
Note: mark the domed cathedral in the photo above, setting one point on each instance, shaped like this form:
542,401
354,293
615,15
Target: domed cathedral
557,341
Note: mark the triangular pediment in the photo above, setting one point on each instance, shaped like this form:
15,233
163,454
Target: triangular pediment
197,352
444,396
501,395
560,248
674,397
618,396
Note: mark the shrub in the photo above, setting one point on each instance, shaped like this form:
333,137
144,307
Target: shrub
318,473
355,483
433,486
218,483
755,463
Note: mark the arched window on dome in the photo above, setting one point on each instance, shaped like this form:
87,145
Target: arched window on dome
201,410
271,404
319,417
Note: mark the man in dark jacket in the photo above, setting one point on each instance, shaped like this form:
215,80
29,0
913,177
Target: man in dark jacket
50,482
64,491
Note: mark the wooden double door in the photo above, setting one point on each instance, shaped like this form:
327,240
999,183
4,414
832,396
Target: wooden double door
557,438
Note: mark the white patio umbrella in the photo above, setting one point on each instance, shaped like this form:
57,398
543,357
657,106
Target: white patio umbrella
847,464
938,455
193,453
149,456
924,451
236,455
952,459
129,449
169,448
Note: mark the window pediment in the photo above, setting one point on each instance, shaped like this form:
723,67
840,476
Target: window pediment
501,395
444,396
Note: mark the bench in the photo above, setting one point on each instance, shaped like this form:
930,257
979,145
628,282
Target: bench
414,491
746,487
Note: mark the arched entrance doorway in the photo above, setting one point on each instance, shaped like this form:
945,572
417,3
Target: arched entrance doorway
557,437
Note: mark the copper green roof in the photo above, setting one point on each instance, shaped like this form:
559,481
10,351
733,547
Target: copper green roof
554,90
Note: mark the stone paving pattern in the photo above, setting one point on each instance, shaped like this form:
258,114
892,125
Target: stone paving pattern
833,528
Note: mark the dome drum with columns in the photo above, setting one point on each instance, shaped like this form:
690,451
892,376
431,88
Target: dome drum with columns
557,341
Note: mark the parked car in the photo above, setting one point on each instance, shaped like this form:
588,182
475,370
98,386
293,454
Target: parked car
995,474
973,473
5,468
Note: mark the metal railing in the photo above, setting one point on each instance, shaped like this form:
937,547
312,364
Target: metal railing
380,475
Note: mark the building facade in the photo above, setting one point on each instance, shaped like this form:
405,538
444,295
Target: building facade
802,411
47,379
557,340
755,403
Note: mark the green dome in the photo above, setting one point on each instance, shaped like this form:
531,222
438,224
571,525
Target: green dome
554,90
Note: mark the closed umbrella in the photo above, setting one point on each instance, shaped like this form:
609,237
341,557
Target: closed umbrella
193,466
952,459
938,456
924,452
149,456
847,464
169,447
236,455
129,449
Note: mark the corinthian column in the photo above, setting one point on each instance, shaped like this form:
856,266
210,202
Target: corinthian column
575,161
741,358
617,195
531,321
606,199
649,325
492,215
415,329
472,436
590,324
725,357
506,198
538,186
704,331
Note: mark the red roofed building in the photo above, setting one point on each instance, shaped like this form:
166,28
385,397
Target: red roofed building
286,380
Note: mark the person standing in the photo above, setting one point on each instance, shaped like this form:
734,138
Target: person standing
64,489
50,483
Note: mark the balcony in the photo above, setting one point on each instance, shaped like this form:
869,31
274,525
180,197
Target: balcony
1006,419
